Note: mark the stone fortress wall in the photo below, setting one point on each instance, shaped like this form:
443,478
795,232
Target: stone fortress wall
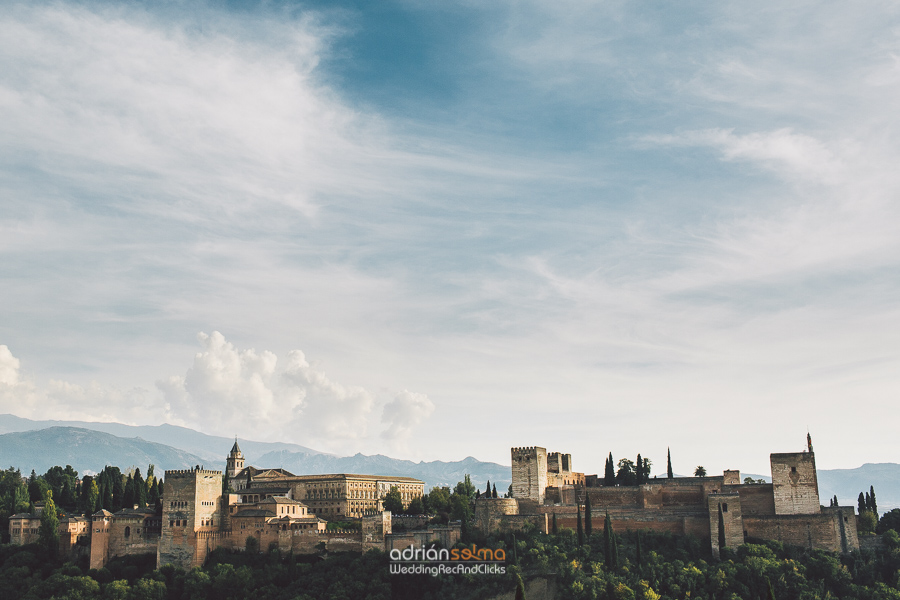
786,510
198,517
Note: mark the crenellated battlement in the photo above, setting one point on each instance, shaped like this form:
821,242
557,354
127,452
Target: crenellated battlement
183,473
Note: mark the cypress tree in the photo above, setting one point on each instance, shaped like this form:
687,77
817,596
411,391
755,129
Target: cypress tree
49,531
555,528
607,542
835,500
614,547
868,502
874,503
128,499
580,526
861,503
639,470
588,524
669,473
520,588
140,490
609,475
639,552
512,546
494,493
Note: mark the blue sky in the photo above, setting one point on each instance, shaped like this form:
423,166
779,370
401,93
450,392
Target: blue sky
436,230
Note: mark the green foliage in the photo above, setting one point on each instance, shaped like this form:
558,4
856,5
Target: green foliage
625,475
438,500
416,507
251,545
580,526
609,472
520,588
866,522
889,521
669,473
700,471
49,530
588,522
392,501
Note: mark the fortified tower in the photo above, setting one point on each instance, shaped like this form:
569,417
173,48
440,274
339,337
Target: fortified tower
191,506
529,473
234,464
794,483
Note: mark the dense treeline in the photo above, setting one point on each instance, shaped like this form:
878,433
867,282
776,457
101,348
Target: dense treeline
110,489
631,566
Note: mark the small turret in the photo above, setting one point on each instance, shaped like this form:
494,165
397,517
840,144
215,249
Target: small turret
235,461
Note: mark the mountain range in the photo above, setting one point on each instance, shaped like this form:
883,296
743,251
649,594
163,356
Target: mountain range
88,447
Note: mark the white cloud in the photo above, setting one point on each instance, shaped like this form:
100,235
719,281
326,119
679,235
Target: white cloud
9,367
403,415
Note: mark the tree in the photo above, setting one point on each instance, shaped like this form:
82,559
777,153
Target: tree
494,493
639,470
439,500
638,551
700,471
487,490
890,520
861,503
609,474
49,531
580,526
465,488
866,522
610,548
588,525
556,527
509,492
140,490
520,588
416,506
392,501
669,473
129,498
625,475
874,503
251,544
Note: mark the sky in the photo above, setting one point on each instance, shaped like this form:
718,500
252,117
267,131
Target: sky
442,229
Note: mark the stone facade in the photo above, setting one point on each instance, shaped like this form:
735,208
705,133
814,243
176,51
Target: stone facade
529,473
277,509
786,510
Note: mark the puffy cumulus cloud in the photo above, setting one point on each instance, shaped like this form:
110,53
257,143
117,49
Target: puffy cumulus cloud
328,409
403,414
229,390
9,367
64,400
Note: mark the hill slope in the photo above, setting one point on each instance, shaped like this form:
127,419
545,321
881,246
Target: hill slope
87,451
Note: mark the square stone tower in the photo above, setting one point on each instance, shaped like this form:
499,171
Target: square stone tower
191,504
529,473
794,483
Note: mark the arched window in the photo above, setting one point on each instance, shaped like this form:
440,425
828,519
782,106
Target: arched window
127,531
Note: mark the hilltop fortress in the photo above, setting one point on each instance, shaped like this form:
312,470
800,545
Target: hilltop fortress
276,508
544,486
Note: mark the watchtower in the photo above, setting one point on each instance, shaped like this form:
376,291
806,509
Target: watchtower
234,464
529,473
191,503
794,483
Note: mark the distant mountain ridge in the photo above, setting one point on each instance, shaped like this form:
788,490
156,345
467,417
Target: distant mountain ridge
90,446
88,451
209,450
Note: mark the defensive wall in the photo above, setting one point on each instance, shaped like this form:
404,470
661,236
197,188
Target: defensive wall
786,510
